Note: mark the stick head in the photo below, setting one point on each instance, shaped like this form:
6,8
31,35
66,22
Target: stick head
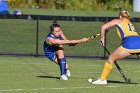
128,81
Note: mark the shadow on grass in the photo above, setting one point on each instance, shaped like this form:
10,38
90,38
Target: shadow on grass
112,81
48,77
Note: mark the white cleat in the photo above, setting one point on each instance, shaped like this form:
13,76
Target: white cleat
68,73
99,81
63,77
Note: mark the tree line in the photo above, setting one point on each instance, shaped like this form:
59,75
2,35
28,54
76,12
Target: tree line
72,4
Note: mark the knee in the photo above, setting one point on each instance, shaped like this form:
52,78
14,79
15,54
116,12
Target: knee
111,59
60,55
139,56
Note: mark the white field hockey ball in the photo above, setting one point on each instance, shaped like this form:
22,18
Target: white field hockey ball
90,80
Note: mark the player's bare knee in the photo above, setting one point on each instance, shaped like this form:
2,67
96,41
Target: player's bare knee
111,59
139,56
60,54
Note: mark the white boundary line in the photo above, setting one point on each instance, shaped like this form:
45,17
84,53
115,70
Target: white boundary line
63,88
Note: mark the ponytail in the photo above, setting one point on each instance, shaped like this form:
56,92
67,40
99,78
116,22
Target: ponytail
124,14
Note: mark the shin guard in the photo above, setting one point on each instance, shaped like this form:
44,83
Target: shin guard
62,64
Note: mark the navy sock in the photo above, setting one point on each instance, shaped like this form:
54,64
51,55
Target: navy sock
62,64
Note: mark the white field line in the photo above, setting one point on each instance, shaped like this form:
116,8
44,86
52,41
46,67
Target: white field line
35,63
90,65
27,63
64,88
53,73
86,72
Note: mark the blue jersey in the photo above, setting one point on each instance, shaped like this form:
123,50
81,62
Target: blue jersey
3,6
50,50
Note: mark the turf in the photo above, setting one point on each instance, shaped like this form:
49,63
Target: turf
39,75
20,35
73,12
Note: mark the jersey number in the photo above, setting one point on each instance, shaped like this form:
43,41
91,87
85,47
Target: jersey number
131,28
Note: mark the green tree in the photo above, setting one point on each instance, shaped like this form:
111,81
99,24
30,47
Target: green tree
73,4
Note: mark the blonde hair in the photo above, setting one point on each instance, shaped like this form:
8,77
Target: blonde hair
124,14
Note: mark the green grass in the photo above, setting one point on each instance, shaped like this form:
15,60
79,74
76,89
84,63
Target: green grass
20,35
73,12
39,75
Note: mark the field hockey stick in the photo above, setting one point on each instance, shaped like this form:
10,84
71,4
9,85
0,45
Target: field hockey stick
128,81
93,36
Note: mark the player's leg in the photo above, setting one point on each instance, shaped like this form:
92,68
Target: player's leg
54,58
67,66
138,55
62,62
117,54
57,60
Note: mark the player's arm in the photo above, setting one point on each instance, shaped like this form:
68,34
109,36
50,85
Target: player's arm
105,27
65,38
61,42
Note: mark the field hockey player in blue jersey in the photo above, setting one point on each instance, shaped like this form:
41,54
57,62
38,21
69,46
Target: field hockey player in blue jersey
53,48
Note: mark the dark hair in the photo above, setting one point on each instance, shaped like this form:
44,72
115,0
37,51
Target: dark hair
53,26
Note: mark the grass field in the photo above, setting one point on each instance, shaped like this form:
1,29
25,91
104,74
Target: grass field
73,12
39,75
20,35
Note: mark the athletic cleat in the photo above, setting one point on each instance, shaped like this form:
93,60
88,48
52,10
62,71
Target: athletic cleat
63,77
99,81
68,73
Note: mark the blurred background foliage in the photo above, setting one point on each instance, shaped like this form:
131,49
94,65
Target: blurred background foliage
72,4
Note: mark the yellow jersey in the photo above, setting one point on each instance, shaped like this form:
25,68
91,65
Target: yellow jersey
126,28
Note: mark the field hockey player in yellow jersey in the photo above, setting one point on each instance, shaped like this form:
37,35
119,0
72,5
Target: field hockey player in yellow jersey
130,43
